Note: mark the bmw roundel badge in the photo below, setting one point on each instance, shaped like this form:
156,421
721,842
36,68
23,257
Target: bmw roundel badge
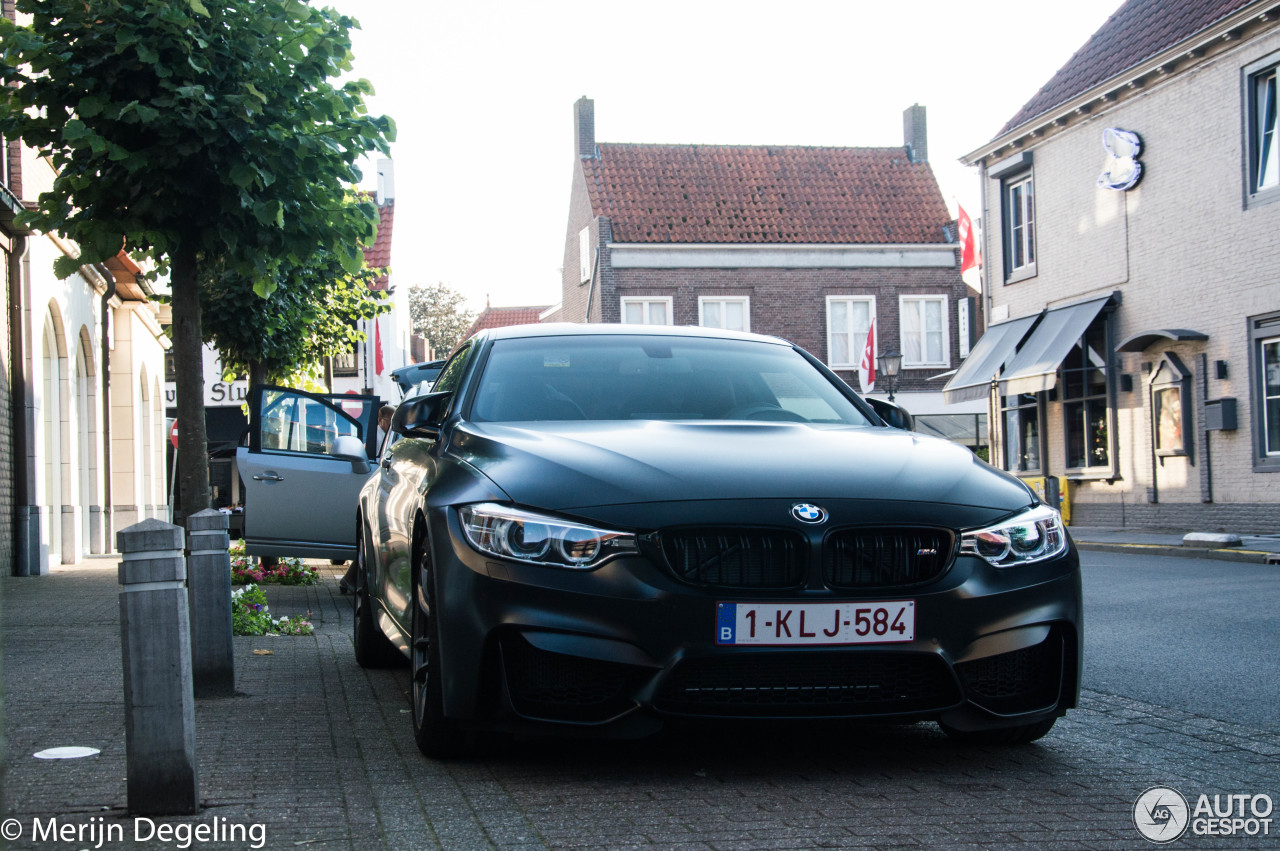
806,513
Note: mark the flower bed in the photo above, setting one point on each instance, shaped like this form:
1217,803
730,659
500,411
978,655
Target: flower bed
250,616
285,571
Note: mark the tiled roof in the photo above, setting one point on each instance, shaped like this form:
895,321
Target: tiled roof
1138,31
765,194
378,255
501,317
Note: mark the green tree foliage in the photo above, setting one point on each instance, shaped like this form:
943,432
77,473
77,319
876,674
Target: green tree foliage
439,314
204,133
310,315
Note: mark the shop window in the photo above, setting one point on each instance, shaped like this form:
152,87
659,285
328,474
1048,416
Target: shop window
1085,402
1022,437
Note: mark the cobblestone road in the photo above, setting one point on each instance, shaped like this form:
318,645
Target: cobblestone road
320,753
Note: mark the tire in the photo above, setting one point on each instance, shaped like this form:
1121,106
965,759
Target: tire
1001,737
436,736
373,649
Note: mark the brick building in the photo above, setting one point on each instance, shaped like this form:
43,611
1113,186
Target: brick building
1133,347
805,243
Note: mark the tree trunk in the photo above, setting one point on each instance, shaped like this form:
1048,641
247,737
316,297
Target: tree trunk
188,356
257,373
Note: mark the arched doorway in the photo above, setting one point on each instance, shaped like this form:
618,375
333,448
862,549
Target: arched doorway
54,411
88,502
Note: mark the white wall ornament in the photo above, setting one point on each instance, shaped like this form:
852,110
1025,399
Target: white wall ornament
1122,171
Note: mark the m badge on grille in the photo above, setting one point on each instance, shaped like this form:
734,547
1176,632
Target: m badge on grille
806,513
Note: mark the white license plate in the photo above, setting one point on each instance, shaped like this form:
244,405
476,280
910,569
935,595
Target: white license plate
816,623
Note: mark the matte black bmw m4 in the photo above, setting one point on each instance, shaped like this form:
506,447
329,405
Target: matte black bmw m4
607,527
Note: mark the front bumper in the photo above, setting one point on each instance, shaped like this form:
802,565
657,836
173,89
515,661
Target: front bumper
621,649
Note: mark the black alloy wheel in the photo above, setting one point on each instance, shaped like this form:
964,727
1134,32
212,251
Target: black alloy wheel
373,648
436,736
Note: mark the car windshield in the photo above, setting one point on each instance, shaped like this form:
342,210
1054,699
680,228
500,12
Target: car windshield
621,377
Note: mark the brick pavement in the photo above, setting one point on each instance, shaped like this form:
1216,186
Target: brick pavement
321,753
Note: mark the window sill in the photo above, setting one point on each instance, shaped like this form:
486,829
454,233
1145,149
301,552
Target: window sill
1020,275
1262,197
1082,476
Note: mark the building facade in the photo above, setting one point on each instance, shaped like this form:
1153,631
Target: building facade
1132,302
809,244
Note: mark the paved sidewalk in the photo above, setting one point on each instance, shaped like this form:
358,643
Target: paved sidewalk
1256,549
319,753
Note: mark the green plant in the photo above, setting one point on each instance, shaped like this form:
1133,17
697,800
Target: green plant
250,616
285,571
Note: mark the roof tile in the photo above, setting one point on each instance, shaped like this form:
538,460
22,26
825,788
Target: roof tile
1136,32
765,194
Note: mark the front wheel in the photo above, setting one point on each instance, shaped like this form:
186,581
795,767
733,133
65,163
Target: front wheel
436,736
1003,736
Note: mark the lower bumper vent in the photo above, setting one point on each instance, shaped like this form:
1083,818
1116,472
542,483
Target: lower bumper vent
809,684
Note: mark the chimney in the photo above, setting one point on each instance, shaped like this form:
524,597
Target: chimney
915,134
386,192
584,127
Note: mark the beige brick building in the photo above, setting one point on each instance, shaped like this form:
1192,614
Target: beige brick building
1131,287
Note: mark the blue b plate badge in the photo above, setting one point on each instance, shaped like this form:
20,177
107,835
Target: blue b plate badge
800,624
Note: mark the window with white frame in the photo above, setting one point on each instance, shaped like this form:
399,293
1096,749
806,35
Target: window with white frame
1264,370
646,311
1271,396
1020,224
732,314
922,322
848,319
1260,112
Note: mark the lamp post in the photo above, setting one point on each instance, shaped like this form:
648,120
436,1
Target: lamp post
889,364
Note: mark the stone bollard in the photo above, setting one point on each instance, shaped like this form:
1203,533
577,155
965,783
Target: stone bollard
209,589
155,644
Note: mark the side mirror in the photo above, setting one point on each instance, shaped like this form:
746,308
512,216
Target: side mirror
350,448
422,416
892,413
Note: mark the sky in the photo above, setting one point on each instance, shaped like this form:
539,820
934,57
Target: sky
482,94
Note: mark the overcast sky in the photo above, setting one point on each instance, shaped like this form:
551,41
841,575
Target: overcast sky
483,91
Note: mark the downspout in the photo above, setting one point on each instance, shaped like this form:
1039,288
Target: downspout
108,539
24,557
595,270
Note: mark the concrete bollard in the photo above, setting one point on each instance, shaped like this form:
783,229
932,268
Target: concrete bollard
155,644
209,589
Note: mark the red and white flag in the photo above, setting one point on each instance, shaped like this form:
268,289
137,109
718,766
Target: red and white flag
867,367
970,257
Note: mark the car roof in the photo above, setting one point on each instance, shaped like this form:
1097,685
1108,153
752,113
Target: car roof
572,329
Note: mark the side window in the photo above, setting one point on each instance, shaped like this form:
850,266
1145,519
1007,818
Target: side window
1264,368
848,320
1084,401
923,321
646,311
293,422
1022,440
1260,112
451,375
1020,225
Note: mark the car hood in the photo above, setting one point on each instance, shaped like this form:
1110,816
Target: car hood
575,465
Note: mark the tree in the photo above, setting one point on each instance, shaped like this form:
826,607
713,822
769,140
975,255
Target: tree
438,314
311,315
203,134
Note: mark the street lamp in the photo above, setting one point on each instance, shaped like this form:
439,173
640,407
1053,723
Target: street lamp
889,365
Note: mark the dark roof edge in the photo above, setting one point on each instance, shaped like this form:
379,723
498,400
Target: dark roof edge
1192,46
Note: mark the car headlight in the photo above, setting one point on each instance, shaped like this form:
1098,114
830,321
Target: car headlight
513,533
1034,535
